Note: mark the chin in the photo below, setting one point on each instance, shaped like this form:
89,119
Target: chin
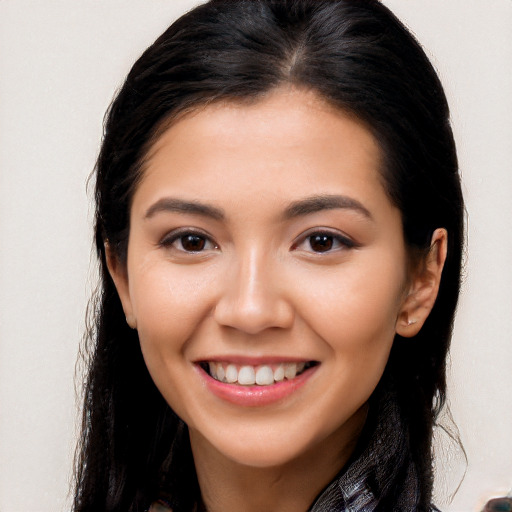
260,448
261,456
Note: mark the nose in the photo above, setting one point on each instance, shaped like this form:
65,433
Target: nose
254,297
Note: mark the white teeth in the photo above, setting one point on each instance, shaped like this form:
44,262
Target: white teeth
249,375
231,373
246,376
264,376
290,370
221,373
213,369
279,373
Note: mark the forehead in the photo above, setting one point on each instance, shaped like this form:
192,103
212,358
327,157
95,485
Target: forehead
279,116
289,142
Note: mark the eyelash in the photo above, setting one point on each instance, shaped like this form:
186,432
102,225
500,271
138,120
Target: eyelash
178,236
334,241
338,241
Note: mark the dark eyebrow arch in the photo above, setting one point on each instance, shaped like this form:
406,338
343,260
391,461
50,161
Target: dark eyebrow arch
170,204
315,204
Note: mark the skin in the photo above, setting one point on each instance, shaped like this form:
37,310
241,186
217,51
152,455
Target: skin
259,288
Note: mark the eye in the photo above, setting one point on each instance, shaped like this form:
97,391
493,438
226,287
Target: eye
189,242
323,242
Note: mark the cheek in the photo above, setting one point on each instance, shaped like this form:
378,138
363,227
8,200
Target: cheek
355,308
169,303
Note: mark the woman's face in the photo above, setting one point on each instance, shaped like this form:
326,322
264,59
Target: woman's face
263,245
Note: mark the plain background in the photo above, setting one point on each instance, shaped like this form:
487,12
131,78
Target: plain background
60,63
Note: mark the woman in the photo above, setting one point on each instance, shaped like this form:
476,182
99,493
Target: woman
279,227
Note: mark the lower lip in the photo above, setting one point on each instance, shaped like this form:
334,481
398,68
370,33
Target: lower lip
256,396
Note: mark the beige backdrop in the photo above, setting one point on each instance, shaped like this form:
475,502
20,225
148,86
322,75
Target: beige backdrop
60,63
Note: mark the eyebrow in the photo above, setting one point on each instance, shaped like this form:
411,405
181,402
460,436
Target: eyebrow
324,202
299,208
170,204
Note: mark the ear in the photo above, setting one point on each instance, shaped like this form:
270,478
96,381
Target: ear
423,287
119,274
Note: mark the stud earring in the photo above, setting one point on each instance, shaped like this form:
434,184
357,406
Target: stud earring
411,321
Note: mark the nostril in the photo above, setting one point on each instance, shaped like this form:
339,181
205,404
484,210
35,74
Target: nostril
253,317
252,297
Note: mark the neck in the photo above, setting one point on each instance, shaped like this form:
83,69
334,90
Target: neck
290,487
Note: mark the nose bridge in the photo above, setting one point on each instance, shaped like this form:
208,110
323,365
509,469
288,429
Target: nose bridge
253,281
253,298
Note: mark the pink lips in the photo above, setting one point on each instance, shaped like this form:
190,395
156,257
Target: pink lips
255,396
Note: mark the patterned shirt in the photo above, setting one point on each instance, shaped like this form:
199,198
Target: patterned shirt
379,466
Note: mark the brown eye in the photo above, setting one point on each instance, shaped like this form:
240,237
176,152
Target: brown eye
193,243
186,241
321,242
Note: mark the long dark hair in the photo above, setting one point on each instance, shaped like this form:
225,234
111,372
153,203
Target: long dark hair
356,55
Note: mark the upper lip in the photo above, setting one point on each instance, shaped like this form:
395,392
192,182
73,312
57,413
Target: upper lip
253,361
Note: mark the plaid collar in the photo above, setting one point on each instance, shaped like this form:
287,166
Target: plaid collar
380,464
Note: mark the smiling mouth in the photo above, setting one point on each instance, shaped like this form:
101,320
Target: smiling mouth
261,375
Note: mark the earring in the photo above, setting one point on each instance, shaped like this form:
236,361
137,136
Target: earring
411,321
